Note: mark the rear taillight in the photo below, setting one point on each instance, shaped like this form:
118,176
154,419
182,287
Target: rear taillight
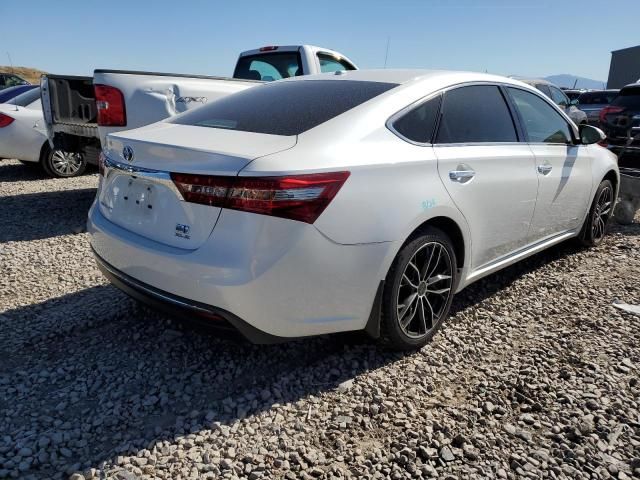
5,120
110,104
608,111
296,197
268,48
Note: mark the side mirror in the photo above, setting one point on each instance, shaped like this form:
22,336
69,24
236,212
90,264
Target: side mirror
575,102
590,134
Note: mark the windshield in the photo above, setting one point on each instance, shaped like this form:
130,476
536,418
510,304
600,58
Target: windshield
284,108
628,98
26,98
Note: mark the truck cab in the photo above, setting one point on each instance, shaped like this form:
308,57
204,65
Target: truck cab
80,112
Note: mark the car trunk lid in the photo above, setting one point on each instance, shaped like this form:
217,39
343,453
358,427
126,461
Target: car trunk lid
138,194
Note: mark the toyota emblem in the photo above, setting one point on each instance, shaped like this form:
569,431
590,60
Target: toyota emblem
127,153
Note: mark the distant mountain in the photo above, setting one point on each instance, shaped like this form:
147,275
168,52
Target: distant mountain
571,81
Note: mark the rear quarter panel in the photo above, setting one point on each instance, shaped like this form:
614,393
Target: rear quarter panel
393,188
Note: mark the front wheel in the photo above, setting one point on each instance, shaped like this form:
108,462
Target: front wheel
418,291
595,225
61,164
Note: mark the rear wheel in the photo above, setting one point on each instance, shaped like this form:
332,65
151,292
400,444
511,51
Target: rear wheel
597,221
61,164
418,290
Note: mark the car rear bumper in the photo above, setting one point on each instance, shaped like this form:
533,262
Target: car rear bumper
270,278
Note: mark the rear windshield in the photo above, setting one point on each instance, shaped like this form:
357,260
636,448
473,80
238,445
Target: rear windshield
26,98
284,108
596,98
269,66
628,98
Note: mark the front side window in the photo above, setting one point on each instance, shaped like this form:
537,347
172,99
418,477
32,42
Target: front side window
329,63
418,124
284,108
558,97
542,123
269,66
475,114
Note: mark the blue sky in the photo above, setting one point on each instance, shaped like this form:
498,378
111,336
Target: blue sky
538,37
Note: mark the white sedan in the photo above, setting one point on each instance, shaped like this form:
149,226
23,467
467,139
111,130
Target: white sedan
357,201
23,137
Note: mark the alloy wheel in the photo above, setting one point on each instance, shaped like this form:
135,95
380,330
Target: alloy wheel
601,213
424,291
65,164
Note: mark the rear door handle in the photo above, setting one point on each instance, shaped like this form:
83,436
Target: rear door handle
544,169
461,176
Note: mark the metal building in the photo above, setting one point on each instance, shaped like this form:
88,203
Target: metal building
625,67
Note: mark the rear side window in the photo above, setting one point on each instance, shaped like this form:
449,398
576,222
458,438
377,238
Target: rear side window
541,121
475,114
628,98
418,124
284,108
544,89
596,98
329,63
26,98
558,97
269,66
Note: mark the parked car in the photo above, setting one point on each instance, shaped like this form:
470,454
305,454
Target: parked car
11,80
357,201
23,137
621,123
593,102
81,111
559,97
11,92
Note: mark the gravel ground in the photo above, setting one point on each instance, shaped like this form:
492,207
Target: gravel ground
535,374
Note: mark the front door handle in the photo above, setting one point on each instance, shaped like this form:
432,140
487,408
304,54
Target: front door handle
461,176
544,169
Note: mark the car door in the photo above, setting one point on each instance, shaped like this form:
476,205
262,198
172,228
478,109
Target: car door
562,166
489,175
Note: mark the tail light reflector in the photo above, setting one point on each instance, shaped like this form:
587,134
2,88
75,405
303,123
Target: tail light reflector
110,104
101,159
5,120
296,197
608,111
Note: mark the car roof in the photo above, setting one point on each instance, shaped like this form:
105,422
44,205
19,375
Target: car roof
531,81
407,76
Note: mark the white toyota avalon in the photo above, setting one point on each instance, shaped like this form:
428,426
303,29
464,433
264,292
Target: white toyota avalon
357,201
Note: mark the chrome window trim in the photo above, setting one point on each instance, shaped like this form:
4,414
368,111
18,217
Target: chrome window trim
442,91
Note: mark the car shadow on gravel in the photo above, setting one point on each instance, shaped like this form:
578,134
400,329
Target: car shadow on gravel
17,172
33,216
92,375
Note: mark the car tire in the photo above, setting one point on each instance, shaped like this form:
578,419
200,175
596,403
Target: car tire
60,164
418,290
595,225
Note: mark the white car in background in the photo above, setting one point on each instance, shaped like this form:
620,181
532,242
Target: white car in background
357,201
559,98
23,136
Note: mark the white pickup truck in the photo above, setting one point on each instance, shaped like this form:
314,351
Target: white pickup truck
80,112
